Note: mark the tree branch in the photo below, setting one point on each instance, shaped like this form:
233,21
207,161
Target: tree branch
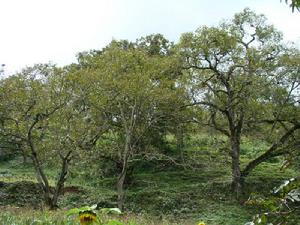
270,152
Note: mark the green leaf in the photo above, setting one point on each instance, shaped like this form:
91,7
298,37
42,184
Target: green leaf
82,209
111,210
73,211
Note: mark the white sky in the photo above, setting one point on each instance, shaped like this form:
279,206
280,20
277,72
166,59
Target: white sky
41,31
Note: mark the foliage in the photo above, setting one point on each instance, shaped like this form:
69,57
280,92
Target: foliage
133,115
153,126
282,207
294,4
31,101
88,215
239,73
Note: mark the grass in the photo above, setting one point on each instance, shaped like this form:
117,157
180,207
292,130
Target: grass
173,197
155,195
17,216
12,171
27,216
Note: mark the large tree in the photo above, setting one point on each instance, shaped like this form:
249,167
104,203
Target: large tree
133,87
33,99
230,68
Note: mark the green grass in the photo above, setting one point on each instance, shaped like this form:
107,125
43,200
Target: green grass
17,216
14,170
156,195
172,197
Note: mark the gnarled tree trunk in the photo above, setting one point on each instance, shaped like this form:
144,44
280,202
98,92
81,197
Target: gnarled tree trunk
236,184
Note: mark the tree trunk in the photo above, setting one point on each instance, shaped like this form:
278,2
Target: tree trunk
122,176
51,197
236,184
120,189
61,181
41,177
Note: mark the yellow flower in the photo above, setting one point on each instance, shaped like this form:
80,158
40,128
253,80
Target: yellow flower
87,217
201,223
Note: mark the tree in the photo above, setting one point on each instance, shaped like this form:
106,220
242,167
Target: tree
178,116
32,99
132,89
230,68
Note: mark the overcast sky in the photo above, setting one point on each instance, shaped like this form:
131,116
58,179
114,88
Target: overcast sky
41,31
